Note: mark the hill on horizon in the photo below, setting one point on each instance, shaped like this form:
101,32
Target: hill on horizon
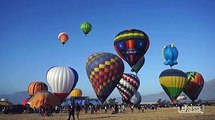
206,94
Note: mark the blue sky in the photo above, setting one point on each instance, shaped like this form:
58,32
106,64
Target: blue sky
29,44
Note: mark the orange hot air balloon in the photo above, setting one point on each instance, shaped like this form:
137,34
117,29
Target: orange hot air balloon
63,37
76,93
44,98
34,87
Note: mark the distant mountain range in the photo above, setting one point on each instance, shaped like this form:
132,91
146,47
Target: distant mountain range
206,94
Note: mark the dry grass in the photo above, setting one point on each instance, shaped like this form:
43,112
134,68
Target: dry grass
160,114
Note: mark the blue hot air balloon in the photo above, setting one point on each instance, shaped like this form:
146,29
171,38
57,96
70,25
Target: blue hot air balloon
170,54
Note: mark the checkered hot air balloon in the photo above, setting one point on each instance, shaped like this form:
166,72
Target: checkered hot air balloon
104,71
128,86
131,45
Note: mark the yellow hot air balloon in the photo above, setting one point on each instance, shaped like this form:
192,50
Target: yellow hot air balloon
76,93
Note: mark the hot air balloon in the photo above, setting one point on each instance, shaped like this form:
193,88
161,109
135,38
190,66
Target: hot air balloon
44,98
131,45
136,99
76,93
135,68
194,85
25,101
173,81
34,87
170,54
128,85
63,37
61,80
86,27
104,71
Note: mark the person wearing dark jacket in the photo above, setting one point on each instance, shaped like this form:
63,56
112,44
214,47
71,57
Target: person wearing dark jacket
71,110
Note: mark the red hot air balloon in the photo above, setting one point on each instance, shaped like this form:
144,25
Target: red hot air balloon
128,85
63,37
61,80
131,45
104,71
194,85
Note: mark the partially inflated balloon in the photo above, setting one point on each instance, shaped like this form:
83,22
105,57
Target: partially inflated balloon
76,93
131,45
86,27
61,80
34,87
170,54
63,37
138,65
128,85
194,85
104,71
136,98
173,81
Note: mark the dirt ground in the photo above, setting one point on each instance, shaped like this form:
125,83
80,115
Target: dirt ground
160,114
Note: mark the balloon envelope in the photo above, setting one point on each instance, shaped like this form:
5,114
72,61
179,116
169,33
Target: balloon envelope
76,93
34,87
173,81
63,37
170,54
194,85
25,101
61,80
44,98
104,71
86,27
131,45
128,85
135,68
136,98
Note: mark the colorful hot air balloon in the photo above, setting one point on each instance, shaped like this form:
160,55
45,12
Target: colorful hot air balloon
131,45
170,54
76,93
173,81
136,99
44,98
135,68
34,87
104,71
61,80
128,85
63,37
25,101
86,27
194,85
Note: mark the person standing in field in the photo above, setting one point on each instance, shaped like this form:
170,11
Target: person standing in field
78,109
71,110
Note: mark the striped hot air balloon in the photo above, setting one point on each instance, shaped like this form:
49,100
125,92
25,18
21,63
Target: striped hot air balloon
131,45
34,87
173,81
104,71
194,85
61,80
128,85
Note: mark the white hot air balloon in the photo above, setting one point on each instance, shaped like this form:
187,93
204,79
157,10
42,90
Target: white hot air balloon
136,98
61,80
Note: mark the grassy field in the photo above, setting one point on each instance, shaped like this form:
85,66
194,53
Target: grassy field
160,114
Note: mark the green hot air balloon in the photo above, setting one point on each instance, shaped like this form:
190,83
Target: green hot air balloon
173,81
86,27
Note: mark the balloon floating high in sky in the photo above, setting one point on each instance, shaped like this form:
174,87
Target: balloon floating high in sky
104,71
173,81
61,80
86,27
170,54
194,85
131,45
63,37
